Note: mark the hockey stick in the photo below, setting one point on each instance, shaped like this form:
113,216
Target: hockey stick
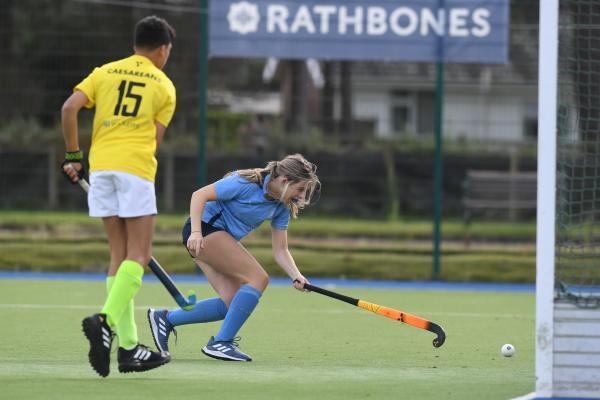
401,316
164,278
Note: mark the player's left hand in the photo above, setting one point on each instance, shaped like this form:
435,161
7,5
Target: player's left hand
299,282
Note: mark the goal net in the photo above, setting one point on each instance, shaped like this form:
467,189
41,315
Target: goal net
567,360
577,247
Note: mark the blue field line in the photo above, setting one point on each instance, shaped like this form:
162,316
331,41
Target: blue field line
376,284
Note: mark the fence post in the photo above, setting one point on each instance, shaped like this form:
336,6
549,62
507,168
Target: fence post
393,202
52,181
169,193
512,190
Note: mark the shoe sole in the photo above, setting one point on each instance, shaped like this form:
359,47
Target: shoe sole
125,369
99,359
221,356
153,327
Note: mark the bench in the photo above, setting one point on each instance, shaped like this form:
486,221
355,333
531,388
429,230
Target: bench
500,193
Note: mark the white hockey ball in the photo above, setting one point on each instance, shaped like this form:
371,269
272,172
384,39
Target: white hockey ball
508,350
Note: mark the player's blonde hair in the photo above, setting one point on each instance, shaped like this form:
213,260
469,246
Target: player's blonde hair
295,168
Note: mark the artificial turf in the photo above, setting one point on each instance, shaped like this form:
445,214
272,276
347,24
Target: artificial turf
304,345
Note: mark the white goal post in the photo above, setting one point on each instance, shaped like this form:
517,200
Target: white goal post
567,356
546,196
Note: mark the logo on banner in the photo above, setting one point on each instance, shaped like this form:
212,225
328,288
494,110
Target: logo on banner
243,17
406,30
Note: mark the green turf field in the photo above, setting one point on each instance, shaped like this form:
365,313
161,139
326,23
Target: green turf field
305,346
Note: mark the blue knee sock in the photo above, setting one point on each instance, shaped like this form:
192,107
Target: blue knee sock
242,305
207,310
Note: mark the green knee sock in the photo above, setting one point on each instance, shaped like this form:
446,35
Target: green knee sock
128,281
126,327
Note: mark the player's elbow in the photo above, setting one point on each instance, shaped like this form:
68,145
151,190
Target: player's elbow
204,194
199,196
69,109
74,103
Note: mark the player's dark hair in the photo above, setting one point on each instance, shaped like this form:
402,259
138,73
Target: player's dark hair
152,32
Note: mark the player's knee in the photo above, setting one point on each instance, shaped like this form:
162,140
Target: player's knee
227,298
141,258
117,259
260,281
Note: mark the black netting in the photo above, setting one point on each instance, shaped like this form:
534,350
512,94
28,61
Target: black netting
578,153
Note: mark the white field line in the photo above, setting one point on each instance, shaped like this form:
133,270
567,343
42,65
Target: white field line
530,396
65,306
313,311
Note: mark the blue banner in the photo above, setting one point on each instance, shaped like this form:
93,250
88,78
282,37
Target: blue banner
471,31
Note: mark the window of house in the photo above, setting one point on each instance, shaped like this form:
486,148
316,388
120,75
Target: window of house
530,122
403,113
530,128
425,113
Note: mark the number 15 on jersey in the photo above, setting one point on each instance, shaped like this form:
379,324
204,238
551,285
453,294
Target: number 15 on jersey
126,91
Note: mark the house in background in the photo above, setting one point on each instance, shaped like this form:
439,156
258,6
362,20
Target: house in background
496,103
481,102
389,99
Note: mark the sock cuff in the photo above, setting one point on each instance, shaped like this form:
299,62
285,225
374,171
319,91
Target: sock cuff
250,290
128,348
132,269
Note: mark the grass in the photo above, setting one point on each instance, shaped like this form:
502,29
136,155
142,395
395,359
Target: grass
304,346
303,227
477,266
61,241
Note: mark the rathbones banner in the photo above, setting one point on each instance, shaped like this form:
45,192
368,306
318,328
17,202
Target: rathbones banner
402,30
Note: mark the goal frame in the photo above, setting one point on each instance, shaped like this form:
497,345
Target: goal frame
546,196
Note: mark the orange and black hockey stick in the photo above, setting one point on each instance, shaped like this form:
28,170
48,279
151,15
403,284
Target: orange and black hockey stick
407,318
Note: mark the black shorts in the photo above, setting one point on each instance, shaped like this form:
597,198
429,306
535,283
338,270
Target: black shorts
207,229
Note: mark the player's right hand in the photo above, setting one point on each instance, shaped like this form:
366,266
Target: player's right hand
72,167
195,243
73,170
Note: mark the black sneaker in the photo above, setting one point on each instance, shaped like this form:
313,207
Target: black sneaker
100,337
141,358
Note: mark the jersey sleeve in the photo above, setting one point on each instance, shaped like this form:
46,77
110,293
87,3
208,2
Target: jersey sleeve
281,219
165,114
231,187
88,87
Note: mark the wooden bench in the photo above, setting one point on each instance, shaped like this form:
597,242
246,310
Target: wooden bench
502,193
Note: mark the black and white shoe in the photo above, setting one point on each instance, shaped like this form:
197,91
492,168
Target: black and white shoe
141,358
100,337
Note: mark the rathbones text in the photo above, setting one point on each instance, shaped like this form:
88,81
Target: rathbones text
376,21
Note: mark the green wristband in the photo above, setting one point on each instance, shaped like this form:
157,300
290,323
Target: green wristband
74,155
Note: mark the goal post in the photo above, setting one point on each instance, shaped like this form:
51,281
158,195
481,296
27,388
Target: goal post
568,214
546,198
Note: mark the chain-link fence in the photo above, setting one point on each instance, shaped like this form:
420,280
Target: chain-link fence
260,111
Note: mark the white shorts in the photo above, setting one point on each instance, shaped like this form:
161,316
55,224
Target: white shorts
116,193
